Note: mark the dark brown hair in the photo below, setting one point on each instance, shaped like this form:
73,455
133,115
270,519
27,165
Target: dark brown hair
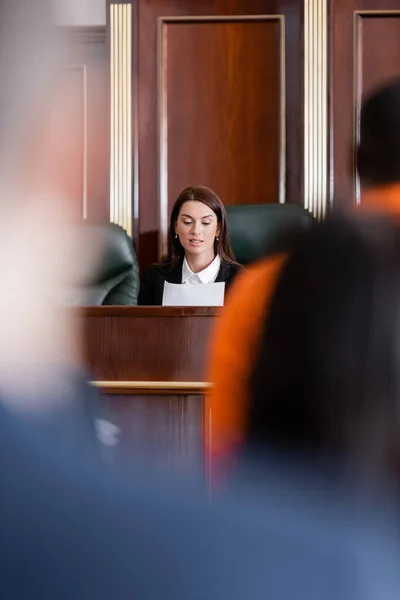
326,379
222,246
378,152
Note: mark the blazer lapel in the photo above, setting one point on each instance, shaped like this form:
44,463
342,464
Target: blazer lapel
224,272
175,276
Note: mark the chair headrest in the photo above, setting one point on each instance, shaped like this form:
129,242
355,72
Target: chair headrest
116,251
118,255
261,230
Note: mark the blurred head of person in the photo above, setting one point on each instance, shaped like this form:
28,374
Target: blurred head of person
326,380
39,254
378,152
198,228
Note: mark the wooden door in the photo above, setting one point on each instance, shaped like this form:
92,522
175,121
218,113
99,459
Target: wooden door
219,87
365,54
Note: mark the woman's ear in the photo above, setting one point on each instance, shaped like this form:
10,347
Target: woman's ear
217,233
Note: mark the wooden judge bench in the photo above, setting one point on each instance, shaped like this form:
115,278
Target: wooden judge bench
149,363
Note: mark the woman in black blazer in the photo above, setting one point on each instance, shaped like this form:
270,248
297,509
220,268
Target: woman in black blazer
199,249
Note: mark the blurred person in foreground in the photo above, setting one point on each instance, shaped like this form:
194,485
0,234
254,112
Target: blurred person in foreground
236,338
42,373
73,532
326,382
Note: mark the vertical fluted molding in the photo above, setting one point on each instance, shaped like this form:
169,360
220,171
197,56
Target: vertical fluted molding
121,115
316,106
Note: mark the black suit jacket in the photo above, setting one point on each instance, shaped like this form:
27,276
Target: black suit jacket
152,285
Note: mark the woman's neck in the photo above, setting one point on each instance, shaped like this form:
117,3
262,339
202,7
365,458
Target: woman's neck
198,263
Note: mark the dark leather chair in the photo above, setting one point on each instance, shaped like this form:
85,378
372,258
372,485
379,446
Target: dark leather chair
116,278
261,230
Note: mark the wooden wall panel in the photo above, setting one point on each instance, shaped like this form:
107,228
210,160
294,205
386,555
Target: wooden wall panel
147,344
365,53
149,365
164,429
240,59
87,113
378,55
222,117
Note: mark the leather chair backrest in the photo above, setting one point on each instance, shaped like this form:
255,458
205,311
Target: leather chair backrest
262,230
115,281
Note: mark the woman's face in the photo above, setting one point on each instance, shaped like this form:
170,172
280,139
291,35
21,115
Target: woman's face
197,227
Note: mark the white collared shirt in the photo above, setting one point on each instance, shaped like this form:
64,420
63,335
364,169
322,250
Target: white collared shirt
207,275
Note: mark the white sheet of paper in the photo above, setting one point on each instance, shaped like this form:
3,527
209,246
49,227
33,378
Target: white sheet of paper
204,294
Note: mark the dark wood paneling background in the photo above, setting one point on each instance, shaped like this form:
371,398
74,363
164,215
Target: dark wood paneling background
160,344
147,344
365,52
222,94
220,114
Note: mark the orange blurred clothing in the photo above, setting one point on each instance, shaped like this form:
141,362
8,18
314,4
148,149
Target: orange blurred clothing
237,332
233,348
385,199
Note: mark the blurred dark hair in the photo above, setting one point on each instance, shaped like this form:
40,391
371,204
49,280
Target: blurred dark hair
222,246
378,152
326,378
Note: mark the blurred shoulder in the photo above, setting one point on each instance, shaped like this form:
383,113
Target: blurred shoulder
252,289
